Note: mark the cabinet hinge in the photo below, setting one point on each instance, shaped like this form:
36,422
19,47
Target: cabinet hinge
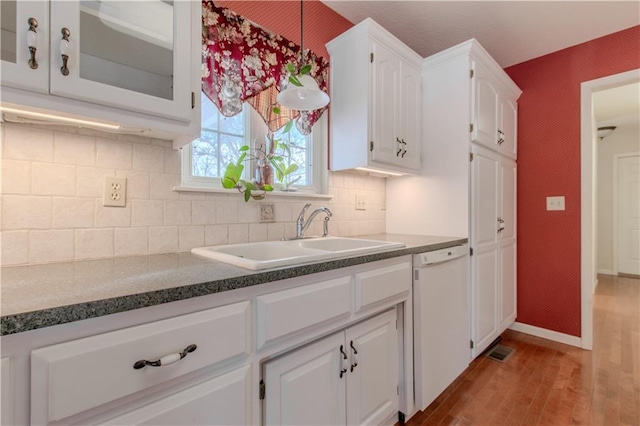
193,100
371,146
371,57
470,251
471,128
396,324
415,275
263,389
397,390
471,344
470,73
471,156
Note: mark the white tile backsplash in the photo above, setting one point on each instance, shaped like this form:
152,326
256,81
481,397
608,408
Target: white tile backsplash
52,209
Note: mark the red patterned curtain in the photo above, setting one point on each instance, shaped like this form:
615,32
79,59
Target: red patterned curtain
242,62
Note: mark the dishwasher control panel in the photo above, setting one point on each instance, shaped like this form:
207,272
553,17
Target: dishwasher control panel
441,255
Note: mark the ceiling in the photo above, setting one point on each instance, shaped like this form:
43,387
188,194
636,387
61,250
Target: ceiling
511,31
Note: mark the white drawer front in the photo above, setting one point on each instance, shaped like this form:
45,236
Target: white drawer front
224,400
75,376
284,312
382,283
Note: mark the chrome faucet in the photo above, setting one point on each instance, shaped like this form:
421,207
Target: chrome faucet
302,225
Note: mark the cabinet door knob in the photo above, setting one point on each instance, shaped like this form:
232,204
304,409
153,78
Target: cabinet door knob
64,50
165,360
32,42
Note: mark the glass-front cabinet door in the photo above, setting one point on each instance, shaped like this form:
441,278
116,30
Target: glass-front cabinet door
126,54
25,44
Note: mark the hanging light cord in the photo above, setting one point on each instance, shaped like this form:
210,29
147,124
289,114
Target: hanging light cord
301,33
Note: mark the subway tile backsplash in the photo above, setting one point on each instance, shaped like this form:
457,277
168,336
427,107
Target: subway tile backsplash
52,183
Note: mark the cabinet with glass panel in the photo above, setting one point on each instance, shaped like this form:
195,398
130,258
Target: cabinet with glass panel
136,56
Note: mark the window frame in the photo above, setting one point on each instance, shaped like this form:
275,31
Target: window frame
255,131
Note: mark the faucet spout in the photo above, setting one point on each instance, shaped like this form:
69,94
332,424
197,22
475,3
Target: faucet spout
302,225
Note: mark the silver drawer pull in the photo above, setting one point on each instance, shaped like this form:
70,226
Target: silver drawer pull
165,360
32,42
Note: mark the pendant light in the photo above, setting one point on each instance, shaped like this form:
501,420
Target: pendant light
307,97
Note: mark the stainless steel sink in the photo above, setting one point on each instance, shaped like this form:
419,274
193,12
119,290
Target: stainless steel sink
271,254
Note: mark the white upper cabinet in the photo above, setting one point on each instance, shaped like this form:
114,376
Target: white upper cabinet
375,101
494,110
135,63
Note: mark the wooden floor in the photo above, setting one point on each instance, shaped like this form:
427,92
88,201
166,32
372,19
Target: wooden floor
548,383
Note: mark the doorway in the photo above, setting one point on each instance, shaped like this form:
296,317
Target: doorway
588,157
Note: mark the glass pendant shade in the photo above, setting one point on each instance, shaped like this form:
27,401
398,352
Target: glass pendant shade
307,97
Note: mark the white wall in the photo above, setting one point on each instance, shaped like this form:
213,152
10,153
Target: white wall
52,183
621,141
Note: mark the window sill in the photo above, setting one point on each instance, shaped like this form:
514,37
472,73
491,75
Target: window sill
275,193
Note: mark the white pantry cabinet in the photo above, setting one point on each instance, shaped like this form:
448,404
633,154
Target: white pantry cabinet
350,378
375,101
468,186
493,112
134,63
493,238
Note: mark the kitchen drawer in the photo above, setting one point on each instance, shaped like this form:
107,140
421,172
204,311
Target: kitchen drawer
382,283
287,311
224,400
71,377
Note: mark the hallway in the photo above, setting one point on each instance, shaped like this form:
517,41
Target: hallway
549,383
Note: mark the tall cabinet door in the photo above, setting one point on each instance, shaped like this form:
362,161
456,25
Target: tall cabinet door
411,110
508,173
484,108
485,196
508,127
118,56
385,82
305,386
25,24
372,385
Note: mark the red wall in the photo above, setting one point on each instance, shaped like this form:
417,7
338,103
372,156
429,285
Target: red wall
321,24
548,165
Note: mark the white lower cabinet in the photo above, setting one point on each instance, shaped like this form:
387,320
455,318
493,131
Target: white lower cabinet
224,400
6,403
350,377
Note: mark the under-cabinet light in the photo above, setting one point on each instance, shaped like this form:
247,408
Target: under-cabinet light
52,117
379,172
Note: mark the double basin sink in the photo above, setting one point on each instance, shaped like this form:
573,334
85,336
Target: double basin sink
272,254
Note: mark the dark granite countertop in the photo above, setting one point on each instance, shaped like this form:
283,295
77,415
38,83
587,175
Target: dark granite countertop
39,296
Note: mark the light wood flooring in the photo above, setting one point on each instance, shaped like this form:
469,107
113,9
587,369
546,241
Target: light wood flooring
548,383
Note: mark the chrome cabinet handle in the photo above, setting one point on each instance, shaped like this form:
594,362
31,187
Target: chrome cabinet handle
500,137
354,352
398,146
32,42
500,225
404,148
64,51
165,360
344,356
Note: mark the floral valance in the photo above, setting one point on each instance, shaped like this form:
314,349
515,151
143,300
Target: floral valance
242,62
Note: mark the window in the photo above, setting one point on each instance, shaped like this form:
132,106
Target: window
204,160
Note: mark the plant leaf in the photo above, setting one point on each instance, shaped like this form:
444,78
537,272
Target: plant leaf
247,195
292,168
276,110
287,127
305,69
294,80
268,187
290,67
243,148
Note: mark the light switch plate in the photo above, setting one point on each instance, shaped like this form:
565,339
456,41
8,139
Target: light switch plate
555,203
115,191
267,213
360,203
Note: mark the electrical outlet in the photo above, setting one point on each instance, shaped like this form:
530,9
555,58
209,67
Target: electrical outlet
555,203
267,213
360,203
115,191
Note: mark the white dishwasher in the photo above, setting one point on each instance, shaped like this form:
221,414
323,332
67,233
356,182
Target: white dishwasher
441,320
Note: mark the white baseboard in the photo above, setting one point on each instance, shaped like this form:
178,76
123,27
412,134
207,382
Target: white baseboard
605,271
547,334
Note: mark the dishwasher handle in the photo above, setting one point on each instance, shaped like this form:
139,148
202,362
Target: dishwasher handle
442,255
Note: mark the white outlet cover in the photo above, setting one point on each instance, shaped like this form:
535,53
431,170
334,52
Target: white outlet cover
555,203
115,191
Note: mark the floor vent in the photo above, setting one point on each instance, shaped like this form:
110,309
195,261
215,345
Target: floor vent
500,353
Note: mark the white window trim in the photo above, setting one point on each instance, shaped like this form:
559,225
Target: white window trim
320,156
